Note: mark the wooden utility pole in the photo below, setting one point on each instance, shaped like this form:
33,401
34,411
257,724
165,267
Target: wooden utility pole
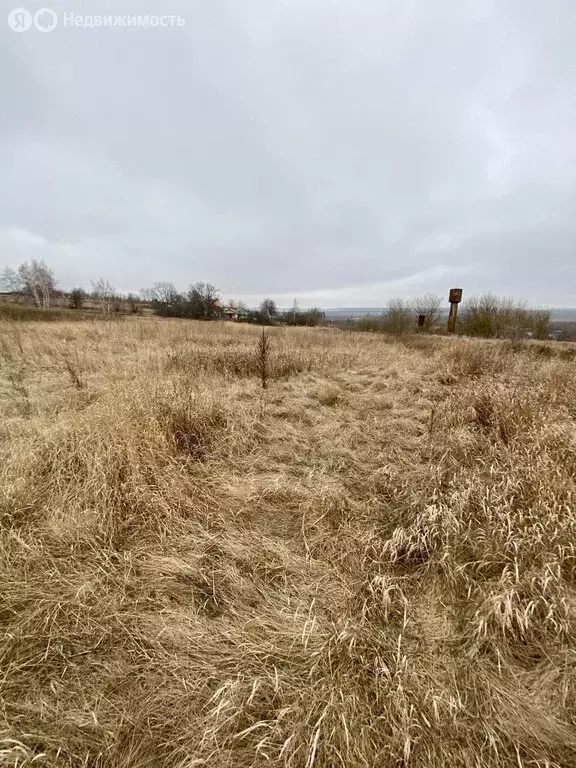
454,299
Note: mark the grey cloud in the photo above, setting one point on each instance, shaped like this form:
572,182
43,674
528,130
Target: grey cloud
339,152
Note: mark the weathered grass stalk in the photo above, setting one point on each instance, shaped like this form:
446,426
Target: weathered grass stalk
264,354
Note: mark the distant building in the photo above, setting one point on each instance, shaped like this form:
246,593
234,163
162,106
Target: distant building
234,314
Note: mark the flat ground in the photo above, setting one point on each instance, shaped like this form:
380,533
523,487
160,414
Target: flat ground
370,563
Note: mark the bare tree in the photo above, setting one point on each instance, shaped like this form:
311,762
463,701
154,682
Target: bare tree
104,294
133,303
295,311
203,300
268,309
428,306
76,298
146,294
163,291
38,281
10,280
540,323
398,317
165,299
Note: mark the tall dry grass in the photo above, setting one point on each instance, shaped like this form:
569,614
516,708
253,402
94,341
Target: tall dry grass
368,563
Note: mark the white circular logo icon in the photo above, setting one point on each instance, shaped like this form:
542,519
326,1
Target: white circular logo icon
45,20
20,20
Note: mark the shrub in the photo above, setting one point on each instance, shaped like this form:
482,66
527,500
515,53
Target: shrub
76,298
495,317
428,306
398,318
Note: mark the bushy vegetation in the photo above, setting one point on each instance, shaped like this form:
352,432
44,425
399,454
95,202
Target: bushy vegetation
370,562
495,317
309,318
402,316
77,297
199,302
488,316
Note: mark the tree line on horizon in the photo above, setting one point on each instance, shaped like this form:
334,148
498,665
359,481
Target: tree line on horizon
487,316
202,301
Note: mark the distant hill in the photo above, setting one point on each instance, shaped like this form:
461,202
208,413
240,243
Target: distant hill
346,312
559,315
563,315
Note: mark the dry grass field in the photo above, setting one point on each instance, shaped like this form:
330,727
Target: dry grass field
369,564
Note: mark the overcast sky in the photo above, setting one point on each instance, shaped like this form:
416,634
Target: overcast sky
335,151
